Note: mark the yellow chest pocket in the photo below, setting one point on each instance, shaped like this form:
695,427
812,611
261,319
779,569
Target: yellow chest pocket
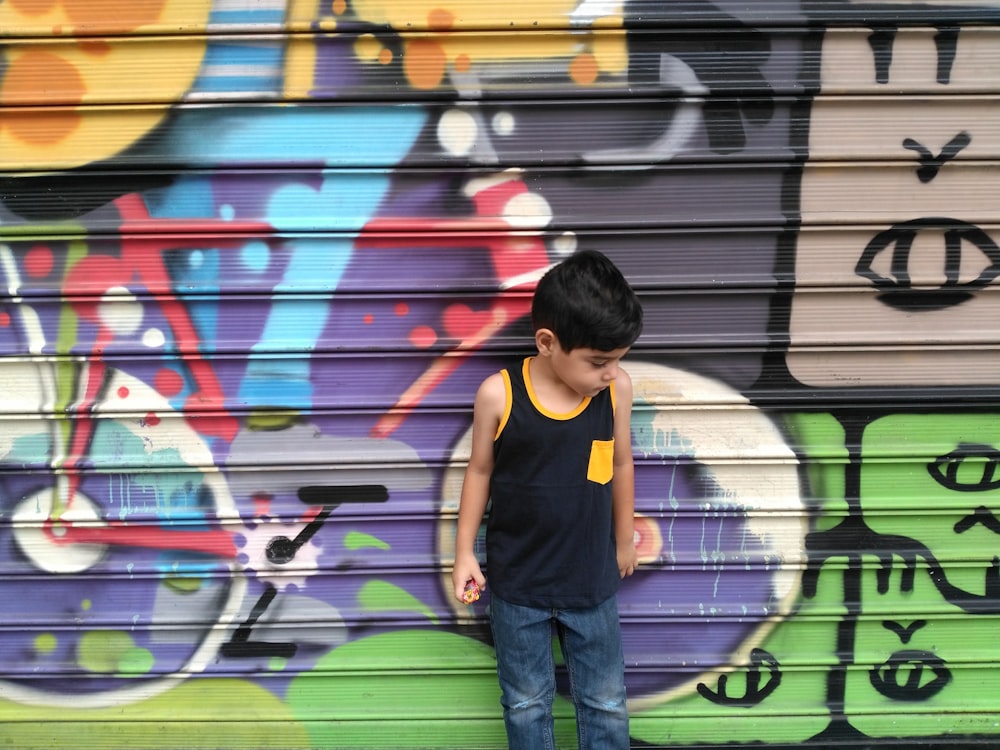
601,467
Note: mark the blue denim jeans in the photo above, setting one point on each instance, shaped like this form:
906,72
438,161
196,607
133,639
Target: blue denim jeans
592,649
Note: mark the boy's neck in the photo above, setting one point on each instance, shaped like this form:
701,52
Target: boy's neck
550,390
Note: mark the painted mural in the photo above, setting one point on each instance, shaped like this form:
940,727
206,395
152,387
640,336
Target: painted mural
257,255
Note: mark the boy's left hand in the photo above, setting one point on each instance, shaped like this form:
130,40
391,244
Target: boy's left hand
628,559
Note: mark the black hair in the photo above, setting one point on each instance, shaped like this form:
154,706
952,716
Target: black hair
587,303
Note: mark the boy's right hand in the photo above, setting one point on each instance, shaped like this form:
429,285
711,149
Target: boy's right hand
466,568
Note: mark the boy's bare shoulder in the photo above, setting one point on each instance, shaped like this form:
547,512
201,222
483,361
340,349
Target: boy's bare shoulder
624,381
491,402
492,392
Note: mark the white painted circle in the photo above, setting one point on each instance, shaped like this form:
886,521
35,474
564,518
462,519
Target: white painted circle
37,533
457,132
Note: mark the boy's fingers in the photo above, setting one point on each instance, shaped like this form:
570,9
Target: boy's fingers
471,590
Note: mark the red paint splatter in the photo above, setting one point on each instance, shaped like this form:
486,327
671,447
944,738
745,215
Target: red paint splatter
518,260
462,322
39,261
93,276
168,382
147,261
423,337
123,392
151,420
261,503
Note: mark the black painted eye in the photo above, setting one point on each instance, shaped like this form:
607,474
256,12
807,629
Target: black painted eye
971,467
910,675
962,245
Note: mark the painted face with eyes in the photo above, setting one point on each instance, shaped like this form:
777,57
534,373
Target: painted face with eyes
959,542
904,218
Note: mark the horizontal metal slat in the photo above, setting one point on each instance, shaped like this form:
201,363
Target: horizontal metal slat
904,127
587,134
365,199
455,258
893,193
429,324
449,257
190,16
680,196
385,64
393,65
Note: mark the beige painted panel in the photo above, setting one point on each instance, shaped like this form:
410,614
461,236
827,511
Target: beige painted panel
874,127
828,256
848,64
837,318
884,193
827,368
918,146
854,338
892,340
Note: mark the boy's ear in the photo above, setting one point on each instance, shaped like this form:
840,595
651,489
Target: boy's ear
546,341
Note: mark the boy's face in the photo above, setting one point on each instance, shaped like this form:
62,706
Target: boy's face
587,371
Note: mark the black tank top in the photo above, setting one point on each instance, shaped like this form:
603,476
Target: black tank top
550,538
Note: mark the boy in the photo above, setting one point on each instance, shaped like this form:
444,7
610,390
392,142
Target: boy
547,437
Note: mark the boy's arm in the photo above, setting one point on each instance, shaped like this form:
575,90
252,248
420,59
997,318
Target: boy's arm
623,482
487,411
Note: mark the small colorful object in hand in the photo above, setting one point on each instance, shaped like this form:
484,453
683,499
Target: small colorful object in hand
471,592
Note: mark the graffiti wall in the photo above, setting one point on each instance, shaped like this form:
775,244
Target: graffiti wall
257,255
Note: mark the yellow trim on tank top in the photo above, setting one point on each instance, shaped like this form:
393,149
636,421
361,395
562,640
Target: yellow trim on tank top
538,404
508,403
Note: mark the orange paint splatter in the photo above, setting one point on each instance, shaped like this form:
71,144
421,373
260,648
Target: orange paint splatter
39,75
33,7
34,72
463,63
339,7
440,19
385,56
41,128
94,48
128,15
583,69
424,63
